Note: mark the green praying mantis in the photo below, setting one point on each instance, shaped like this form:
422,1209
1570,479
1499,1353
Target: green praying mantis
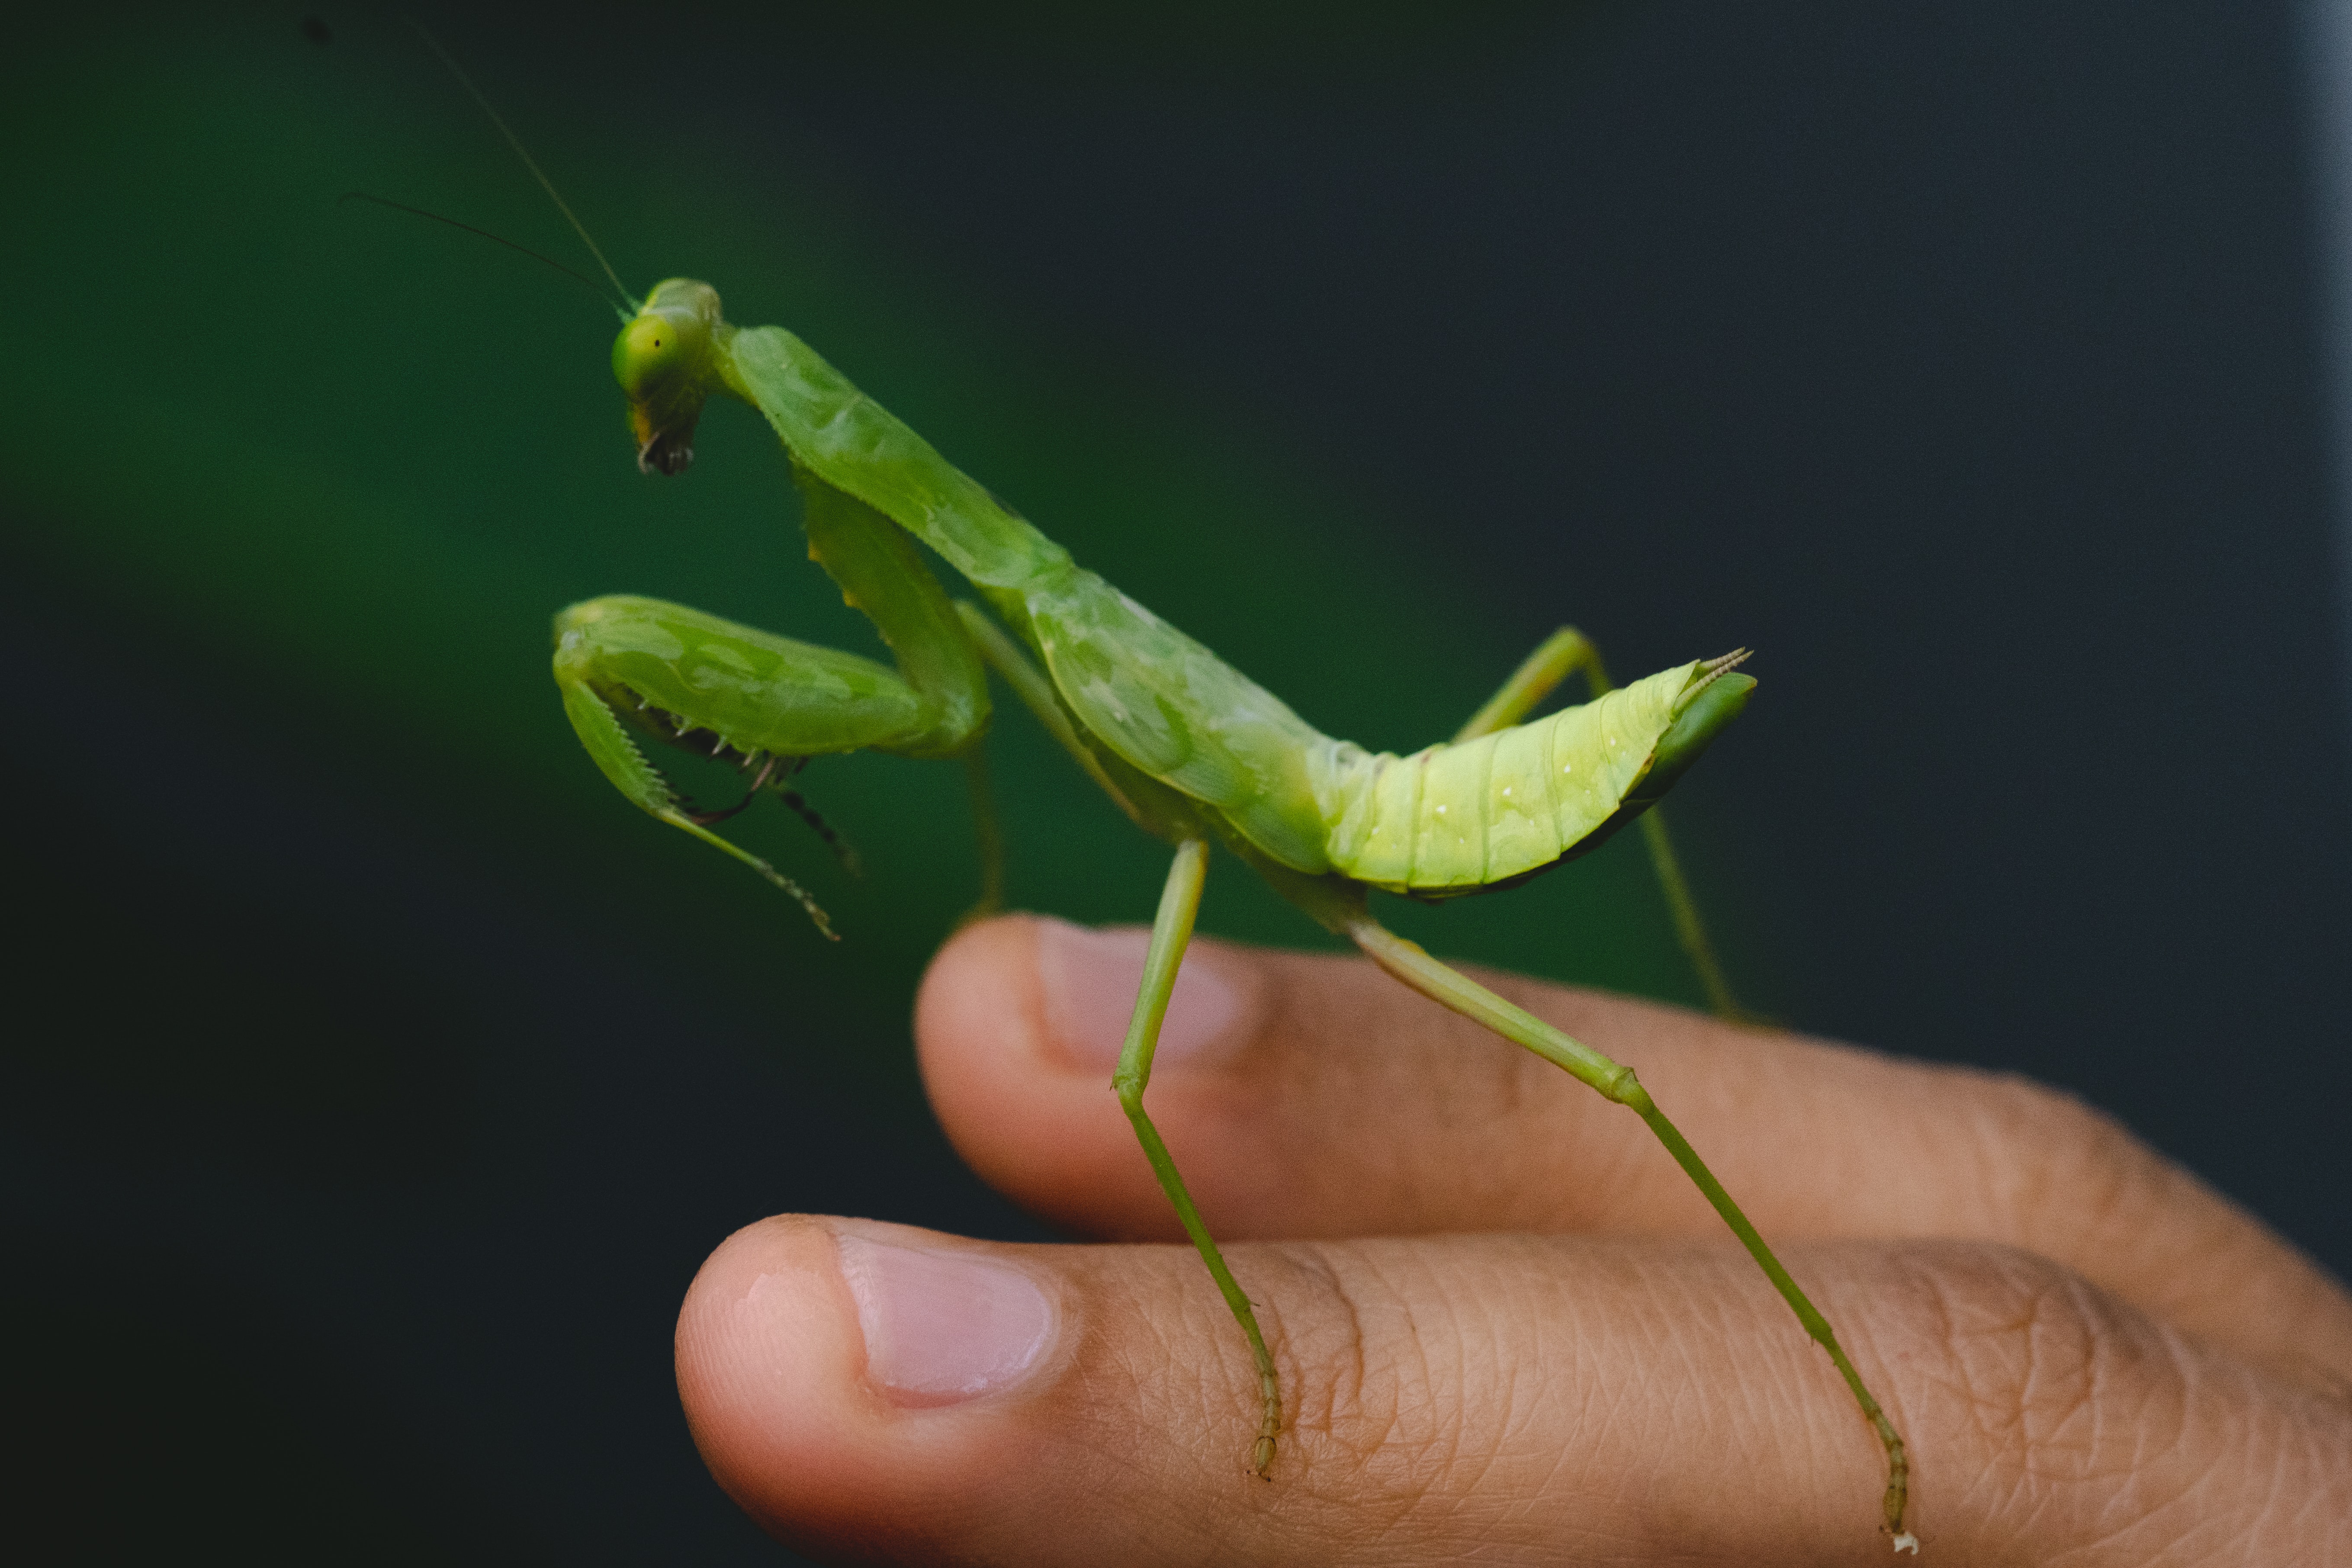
1191,750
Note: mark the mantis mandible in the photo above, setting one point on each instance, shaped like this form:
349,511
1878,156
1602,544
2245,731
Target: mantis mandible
1192,750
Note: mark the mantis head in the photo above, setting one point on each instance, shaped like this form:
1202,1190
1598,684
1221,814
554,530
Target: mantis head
665,360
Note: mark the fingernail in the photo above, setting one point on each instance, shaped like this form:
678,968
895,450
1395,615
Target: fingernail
1091,978
942,1327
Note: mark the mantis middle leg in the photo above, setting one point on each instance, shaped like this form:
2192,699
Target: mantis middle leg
1559,656
1172,931
990,836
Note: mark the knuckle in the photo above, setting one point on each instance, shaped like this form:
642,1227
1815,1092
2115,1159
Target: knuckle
2023,1345
2056,1389
1442,1384
2050,1419
1361,1389
1383,1360
2058,1169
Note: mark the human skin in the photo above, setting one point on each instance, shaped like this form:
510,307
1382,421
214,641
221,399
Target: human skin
1507,1328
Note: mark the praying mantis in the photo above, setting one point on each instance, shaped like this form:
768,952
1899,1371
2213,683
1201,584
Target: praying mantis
1190,748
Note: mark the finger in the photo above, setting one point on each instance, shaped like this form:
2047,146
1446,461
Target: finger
876,1394
1312,1095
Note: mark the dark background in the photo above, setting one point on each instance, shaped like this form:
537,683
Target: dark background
376,1080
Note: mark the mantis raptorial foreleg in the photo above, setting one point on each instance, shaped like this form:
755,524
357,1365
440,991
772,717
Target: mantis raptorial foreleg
1452,989
1559,656
1171,931
632,669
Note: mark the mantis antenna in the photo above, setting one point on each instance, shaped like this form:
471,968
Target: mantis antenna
581,277
527,162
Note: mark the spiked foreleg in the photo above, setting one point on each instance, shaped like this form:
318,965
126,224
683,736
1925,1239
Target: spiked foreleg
632,669
617,756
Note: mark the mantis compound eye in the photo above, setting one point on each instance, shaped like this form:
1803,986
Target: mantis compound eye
657,351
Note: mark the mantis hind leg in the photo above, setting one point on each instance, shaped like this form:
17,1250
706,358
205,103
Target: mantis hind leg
1171,931
1458,992
1565,653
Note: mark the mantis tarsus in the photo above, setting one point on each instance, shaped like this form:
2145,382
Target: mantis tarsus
1191,750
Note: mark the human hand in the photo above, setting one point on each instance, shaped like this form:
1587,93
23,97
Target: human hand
1551,1352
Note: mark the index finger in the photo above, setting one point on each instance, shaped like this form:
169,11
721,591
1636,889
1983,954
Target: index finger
1309,1096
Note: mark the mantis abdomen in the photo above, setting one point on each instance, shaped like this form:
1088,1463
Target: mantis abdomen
1460,818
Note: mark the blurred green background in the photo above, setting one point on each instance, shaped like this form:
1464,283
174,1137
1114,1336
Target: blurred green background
378,1078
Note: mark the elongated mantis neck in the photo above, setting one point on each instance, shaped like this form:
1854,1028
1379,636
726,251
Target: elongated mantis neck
679,349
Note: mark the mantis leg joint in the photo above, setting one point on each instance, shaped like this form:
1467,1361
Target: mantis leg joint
1624,1088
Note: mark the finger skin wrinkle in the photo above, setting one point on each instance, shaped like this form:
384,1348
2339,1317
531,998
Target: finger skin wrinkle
1343,1379
1390,1432
1444,1443
2026,1368
2076,1431
1165,1348
1502,1459
2313,1511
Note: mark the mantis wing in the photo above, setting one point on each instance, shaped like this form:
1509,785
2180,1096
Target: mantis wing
1180,714
1156,698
